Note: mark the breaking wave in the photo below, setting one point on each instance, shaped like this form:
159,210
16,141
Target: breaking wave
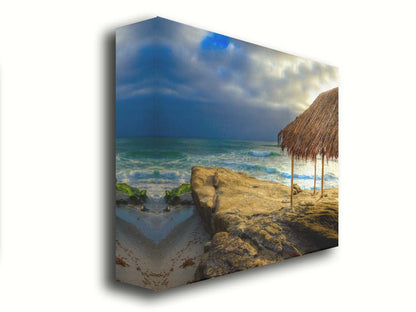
263,154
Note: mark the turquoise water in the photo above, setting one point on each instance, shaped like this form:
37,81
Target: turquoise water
157,164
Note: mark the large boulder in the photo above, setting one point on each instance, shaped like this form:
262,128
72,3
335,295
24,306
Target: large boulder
251,222
227,253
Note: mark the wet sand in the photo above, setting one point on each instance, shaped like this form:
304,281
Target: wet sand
160,266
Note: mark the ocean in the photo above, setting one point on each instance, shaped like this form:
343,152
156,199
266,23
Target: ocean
160,163
157,164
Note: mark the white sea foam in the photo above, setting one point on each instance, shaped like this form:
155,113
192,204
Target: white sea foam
167,164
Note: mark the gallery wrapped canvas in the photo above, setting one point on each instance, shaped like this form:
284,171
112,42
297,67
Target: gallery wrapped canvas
226,155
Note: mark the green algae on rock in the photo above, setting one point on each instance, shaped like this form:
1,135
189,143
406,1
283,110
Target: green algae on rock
179,195
126,194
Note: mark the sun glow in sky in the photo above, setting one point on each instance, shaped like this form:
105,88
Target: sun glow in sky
176,80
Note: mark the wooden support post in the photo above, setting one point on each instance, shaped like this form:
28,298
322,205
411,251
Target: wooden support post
322,178
291,185
314,180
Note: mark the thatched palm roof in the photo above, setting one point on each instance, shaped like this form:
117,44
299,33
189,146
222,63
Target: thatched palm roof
315,131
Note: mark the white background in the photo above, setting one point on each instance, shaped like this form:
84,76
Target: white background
56,156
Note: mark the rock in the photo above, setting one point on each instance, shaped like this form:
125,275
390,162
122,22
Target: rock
216,179
296,189
226,254
128,195
253,225
186,199
143,208
180,195
187,262
121,262
122,198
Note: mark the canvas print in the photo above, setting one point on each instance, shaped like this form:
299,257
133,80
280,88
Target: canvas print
226,155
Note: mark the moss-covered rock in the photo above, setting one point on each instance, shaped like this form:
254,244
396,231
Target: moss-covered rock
179,195
126,194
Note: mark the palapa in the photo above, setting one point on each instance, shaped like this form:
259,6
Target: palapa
313,133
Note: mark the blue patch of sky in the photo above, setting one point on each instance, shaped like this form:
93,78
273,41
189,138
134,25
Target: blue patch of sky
215,42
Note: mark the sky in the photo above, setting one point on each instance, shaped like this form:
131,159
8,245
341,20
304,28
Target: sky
180,81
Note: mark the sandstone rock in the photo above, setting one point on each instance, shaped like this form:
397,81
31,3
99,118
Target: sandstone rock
226,254
252,223
296,189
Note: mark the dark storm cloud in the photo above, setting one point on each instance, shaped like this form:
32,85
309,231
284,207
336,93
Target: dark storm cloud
198,119
208,85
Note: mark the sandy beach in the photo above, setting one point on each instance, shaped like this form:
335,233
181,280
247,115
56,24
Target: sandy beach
170,263
236,222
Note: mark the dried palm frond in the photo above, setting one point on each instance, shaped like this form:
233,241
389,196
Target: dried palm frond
315,131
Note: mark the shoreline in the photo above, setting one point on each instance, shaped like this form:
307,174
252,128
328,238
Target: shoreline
169,162
240,222
171,262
